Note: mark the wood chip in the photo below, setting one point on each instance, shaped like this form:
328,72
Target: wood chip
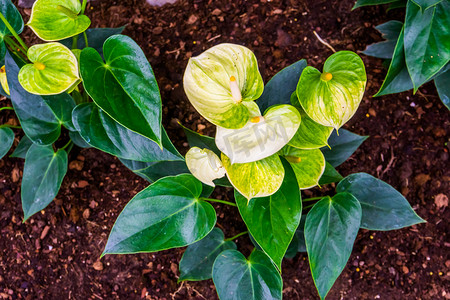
441,200
98,265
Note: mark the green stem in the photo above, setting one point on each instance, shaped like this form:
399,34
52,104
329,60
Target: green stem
10,126
83,7
13,32
219,201
75,42
6,108
236,236
66,145
85,39
16,49
308,206
312,199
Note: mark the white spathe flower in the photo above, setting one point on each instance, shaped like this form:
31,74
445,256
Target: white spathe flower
205,165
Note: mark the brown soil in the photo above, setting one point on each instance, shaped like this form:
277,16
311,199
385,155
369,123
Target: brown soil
55,254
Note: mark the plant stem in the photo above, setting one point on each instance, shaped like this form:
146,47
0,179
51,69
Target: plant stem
16,49
236,236
75,42
219,201
6,108
13,32
83,7
308,206
85,39
10,126
312,199
66,145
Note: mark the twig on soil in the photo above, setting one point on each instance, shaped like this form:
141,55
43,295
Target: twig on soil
389,165
177,291
323,42
213,38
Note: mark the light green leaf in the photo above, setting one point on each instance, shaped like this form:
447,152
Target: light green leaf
205,165
427,40
167,214
220,81
330,231
43,174
6,140
256,179
310,135
54,69
308,165
272,220
331,98
255,278
383,208
124,85
261,136
54,20
198,259
12,15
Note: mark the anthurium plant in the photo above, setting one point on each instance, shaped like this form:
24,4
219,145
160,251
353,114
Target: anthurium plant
272,141
418,49
86,87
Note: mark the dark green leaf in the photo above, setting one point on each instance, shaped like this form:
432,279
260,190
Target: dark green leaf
152,171
424,4
12,15
62,106
238,278
330,231
272,220
390,31
427,40
198,259
96,38
442,83
279,89
330,175
78,140
397,79
361,3
124,86
6,140
298,241
22,149
196,139
383,208
39,122
42,176
101,131
167,214
342,146
397,4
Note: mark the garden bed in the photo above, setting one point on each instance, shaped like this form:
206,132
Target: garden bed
55,254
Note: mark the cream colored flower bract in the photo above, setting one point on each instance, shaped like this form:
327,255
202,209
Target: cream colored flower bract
3,80
221,82
205,165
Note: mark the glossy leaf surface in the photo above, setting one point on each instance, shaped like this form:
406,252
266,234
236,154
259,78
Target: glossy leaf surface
342,146
383,207
330,231
220,81
22,149
442,83
101,131
330,175
152,171
390,31
6,140
424,4
167,214
54,20
361,3
331,98
43,174
124,85
255,278
272,220
279,89
198,259
256,179
12,15
196,139
298,241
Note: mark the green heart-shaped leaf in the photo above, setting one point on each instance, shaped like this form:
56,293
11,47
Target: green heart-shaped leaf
442,83
272,220
12,15
43,174
330,231
383,208
298,241
54,69
220,81
342,146
310,135
331,98
153,171
198,259
205,165
361,3
330,175
424,4
427,40
101,131
255,278
261,137
256,179
54,20
6,140
124,86
390,31
308,165
167,214
23,147
196,139
41,117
